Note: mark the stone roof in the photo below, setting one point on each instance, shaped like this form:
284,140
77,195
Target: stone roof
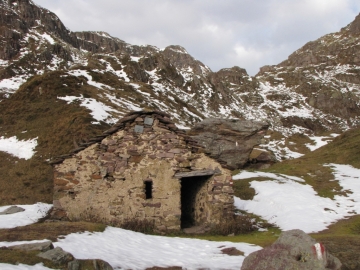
164,122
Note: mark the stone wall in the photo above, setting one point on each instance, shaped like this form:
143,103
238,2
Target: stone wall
106,181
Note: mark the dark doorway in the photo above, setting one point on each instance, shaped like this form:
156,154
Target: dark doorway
192,203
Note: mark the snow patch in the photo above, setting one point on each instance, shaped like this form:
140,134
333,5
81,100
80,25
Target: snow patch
21,149
140,251
291,205
39,266
99,111
31,215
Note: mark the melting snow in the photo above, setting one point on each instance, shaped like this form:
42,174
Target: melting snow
31,215
99,111
20,266
20,149
48,38
320,141
130,250
134,58
12,84
79,72
292,205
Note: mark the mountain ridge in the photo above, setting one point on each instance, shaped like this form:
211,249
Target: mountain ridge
80,83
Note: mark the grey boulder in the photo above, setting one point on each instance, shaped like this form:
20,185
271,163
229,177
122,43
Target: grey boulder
292,250
12,210
229,141
57,256
44,246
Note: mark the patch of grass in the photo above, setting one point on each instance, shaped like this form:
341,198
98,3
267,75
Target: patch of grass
48,230
262,239
25,257
348,226
342,239
243,190
343,150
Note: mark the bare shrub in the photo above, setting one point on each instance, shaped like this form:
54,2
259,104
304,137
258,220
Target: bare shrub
238,224
139,225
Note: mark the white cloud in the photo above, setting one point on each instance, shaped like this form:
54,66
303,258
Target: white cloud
214,32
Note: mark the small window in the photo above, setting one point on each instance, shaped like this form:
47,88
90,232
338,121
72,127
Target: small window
148,189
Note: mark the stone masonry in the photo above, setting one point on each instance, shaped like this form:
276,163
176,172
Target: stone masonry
144,167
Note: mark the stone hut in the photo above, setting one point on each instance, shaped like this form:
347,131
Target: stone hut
143,167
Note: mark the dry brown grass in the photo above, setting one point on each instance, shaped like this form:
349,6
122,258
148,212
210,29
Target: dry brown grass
57,126
39,231
25,257
48,230
238,224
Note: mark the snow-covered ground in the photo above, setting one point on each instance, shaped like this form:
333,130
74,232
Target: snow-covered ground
31,215
99,111
284,200
4,266
125,249
290,204
20,149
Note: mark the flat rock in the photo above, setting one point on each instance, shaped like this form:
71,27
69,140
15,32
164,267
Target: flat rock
57,256
12,210
231,251
44,246
89,265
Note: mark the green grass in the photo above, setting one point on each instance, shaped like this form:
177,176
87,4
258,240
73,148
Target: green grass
262,239
343,150
342,239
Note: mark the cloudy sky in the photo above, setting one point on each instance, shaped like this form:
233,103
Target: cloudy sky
219,33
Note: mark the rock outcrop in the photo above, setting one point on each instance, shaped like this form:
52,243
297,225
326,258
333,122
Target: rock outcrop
229,141
43,246
293,250
12,210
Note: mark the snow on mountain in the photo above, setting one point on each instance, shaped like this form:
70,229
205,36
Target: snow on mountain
312,93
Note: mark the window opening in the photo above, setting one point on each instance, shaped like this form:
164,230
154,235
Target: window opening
148,189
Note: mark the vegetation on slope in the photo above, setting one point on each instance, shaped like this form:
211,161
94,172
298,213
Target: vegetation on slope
58,127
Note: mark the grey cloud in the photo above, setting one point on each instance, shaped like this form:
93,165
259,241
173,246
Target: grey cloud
211,30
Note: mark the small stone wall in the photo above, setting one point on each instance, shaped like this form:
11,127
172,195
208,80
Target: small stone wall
106,180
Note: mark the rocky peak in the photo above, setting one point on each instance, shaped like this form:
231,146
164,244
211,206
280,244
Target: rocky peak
180,58
233,75
354,27
99,41
19,17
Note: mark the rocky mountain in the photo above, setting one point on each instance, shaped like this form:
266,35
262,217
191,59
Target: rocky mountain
60,88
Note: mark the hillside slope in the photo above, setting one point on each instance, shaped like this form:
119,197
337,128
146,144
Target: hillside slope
62,88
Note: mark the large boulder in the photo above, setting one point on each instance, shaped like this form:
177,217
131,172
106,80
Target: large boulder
57,256
229,141
89,265
293,250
